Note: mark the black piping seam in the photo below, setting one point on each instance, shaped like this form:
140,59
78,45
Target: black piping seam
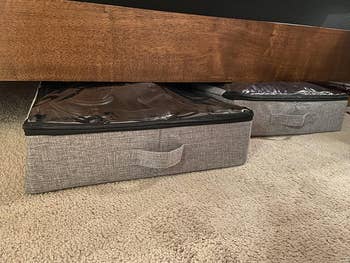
31,129
281,98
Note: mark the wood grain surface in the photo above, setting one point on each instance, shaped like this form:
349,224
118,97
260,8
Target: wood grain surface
74,41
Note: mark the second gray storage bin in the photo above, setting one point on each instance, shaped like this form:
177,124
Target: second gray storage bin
283,108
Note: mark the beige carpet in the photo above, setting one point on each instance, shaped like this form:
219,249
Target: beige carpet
289,203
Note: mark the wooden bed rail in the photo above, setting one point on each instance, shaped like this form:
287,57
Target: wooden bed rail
73,41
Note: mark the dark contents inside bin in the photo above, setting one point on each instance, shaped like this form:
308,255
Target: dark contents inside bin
95,105
280,90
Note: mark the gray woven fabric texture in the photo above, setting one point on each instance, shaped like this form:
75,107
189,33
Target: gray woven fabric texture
58,162
273,118
288,118
152,159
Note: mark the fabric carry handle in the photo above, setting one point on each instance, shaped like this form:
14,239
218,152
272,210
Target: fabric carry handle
160,160
290,120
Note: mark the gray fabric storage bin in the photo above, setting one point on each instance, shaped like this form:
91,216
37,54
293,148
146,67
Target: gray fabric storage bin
283,108
80,135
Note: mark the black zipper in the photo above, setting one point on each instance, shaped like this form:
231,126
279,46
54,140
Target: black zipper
32,129
286,97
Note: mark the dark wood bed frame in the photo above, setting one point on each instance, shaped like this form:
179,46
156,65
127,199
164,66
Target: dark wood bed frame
73,41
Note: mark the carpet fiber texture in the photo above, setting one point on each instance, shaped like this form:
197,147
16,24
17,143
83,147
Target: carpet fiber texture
289,203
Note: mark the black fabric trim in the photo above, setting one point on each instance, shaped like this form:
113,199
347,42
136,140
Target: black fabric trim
31,129
234,96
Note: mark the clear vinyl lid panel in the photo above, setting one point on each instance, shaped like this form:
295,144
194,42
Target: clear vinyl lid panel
103,106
